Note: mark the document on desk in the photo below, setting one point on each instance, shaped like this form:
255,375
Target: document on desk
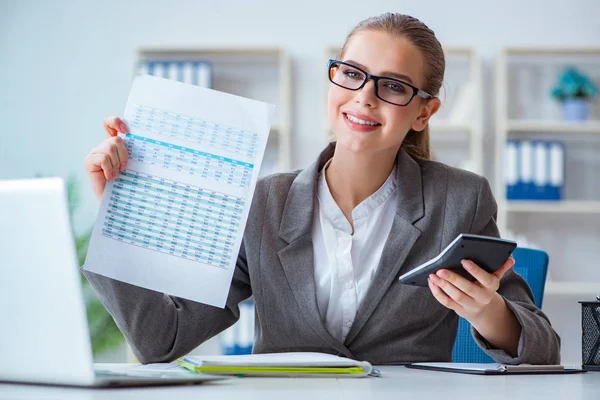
174,220
280,364
494,368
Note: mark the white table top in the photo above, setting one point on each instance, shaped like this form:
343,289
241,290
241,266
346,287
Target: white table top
396,383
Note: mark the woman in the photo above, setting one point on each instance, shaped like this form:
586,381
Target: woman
323,247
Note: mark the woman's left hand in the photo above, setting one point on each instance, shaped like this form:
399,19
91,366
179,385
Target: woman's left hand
468,299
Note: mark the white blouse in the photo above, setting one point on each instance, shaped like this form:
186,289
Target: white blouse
345,263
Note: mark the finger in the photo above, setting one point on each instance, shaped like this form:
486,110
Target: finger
96,162
114,125
121,152
110,147
461,298
109,163
107,167
486,279
92,162
441,296
504,269
472,289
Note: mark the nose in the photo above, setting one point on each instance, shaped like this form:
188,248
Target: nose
366,95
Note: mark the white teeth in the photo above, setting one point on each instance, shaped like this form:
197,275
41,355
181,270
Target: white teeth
360,121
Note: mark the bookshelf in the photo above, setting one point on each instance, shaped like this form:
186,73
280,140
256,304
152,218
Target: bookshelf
565,206
258,73
456,131
552,126
567,228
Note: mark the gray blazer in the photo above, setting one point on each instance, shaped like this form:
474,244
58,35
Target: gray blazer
395,323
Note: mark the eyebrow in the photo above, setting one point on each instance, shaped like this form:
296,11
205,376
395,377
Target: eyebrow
384,73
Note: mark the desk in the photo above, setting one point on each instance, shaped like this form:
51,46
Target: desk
396,383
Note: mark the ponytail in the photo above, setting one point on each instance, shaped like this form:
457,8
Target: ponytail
416,144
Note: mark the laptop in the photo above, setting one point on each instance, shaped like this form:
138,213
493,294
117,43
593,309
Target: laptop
44,337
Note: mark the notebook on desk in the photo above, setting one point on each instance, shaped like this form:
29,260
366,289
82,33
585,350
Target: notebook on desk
280,364
494,368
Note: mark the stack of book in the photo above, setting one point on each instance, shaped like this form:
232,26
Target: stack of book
535,170
197,72
239,338
280,364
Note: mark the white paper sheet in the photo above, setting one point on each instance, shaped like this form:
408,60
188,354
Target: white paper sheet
174,220
292,359
463,366
493,367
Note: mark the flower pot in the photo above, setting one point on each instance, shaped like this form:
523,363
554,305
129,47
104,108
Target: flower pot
576,109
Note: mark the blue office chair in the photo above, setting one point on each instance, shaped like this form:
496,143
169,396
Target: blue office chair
532,265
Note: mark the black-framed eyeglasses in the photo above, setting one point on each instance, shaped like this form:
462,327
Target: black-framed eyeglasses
390,90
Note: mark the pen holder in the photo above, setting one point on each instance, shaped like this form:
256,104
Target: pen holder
590,334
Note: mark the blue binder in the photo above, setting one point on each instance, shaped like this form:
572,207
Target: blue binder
534,170
239,338
197,72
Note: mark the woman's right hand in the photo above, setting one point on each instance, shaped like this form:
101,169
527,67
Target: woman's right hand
107,159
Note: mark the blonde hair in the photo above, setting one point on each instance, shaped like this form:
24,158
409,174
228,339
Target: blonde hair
416,143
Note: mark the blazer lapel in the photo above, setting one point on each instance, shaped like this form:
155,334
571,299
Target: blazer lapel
297,258
401,239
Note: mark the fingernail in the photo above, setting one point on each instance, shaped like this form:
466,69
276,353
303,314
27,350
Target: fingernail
466,265
123,164
433,278
443,273
123,128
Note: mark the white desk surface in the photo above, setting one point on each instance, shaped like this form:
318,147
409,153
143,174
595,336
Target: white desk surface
396,383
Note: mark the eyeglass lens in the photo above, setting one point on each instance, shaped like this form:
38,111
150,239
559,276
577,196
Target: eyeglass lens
387,89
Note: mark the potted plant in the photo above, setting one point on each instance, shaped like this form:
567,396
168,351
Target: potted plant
105,335
575,91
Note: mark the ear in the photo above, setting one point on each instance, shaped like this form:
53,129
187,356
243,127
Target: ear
429,108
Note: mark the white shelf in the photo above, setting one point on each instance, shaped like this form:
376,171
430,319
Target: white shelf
525,110
192,52
512,121
564,206
260,73
448,132
546,126
559,51
586,290
443,126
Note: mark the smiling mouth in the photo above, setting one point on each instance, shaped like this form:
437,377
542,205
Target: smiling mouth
360,121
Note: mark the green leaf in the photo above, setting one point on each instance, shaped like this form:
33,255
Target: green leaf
574,84
104,333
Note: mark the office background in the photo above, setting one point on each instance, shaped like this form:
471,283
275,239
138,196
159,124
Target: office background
64,65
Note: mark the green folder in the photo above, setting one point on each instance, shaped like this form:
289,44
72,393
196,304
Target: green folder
279,364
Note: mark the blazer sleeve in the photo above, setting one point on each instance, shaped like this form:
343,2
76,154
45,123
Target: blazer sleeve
161,328
538,343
